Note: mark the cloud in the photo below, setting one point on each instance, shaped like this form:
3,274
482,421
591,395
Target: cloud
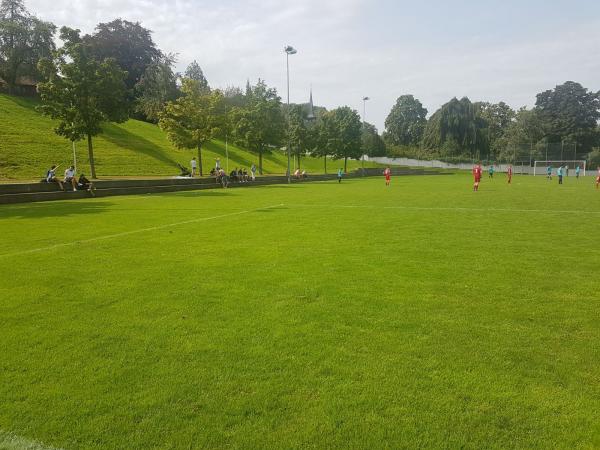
352,48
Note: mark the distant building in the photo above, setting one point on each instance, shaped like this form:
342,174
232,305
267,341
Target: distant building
25,86
311,108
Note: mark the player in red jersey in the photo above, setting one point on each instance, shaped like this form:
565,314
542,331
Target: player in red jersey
388,176
477,176
509,173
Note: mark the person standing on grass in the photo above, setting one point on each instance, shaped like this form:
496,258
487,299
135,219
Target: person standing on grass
340,175
253,172
193,164
491,172
577,171
218,163
509,173
476,176
549,173
388,176
598,178
559,173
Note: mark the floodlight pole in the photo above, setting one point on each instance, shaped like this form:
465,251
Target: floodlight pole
289,50
364,131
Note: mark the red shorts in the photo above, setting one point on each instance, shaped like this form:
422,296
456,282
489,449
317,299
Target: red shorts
388,177
477,179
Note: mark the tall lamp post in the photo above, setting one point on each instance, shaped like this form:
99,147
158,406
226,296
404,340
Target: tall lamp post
365,100
289,50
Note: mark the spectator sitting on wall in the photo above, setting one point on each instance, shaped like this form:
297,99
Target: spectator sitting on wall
83,184
51,177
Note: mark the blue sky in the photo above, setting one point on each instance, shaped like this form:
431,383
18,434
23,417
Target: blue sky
488,50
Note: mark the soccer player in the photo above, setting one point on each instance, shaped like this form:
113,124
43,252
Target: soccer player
549,172
509,173
577,171
388,176
491,171
559,172
340,175
476,176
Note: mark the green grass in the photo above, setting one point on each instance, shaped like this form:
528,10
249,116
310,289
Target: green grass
28,146
315,315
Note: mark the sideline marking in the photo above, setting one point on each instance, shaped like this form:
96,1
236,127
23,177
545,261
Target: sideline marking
11,441
442,208
141,230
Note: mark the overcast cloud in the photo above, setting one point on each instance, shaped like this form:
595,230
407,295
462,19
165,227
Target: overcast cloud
347,49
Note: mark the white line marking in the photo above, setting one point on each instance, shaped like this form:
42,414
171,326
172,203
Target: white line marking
141,230
11,441
442,208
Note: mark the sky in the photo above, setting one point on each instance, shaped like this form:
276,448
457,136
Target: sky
488,50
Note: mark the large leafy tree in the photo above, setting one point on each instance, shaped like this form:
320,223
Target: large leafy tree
129,44
260,124
80,91
24,40
194,118
406,121
344,130
570,112
372,143
157,86
498,117
520,136
299,133
457,129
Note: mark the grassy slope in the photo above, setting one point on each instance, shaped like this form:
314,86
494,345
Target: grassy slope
402,322
28,146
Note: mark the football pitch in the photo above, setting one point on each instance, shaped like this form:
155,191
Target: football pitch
317,315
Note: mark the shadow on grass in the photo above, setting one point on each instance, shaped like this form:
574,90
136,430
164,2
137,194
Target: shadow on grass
122,138
53,209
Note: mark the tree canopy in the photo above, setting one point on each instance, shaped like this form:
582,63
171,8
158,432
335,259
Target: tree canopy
81,92
24,40
194,118
406,121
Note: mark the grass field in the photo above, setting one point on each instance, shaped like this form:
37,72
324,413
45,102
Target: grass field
315,315
28,146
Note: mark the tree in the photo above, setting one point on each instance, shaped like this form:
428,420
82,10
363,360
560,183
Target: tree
372,143
520,136
570,112
498,117
129,44
81,92
24,40
345,130
194,72
457,129
194,118
260,124
157,86
406,121
298,131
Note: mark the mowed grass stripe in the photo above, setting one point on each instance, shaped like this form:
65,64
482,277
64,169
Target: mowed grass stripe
141,230
308,327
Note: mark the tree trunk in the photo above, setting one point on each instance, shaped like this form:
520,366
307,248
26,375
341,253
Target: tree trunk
298,157
260,160
345,164
200,159
325,161
91,155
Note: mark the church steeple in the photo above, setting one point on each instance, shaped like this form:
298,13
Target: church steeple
311,107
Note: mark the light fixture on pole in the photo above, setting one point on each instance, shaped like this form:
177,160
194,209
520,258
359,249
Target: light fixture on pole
365,99
289,50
